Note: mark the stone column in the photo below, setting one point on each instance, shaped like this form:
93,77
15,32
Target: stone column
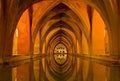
2,30
115,42
6,36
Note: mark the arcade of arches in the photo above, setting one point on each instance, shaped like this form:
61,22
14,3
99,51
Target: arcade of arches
61,31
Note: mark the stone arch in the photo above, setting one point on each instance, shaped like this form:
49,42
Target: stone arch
38,27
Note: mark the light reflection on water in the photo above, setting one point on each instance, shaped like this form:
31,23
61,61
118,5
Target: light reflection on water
76,70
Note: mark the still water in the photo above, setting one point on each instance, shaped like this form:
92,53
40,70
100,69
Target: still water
46,69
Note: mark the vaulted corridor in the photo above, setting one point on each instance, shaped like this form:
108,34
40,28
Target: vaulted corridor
59,40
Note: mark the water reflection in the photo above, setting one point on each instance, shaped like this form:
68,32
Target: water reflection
43,70
60,53
60,58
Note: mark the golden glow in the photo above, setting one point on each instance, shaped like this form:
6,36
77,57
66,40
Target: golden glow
59,33
24,34
37,44
98,34
15,42
60,54
16,32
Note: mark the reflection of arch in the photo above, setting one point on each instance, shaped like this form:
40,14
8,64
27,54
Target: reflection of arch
64,30
60,56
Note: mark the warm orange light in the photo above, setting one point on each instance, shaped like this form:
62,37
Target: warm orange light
16,32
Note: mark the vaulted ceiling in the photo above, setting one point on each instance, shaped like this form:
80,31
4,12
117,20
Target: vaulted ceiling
61,21
80,25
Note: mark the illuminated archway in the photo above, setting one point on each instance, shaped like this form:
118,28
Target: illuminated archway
60,53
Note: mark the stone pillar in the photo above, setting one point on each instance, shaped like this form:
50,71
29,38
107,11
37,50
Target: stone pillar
115,46
6,36
1,30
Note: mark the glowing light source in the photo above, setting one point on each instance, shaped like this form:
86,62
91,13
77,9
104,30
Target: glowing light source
60,54
16,32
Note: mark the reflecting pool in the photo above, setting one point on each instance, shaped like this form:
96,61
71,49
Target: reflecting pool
75,69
